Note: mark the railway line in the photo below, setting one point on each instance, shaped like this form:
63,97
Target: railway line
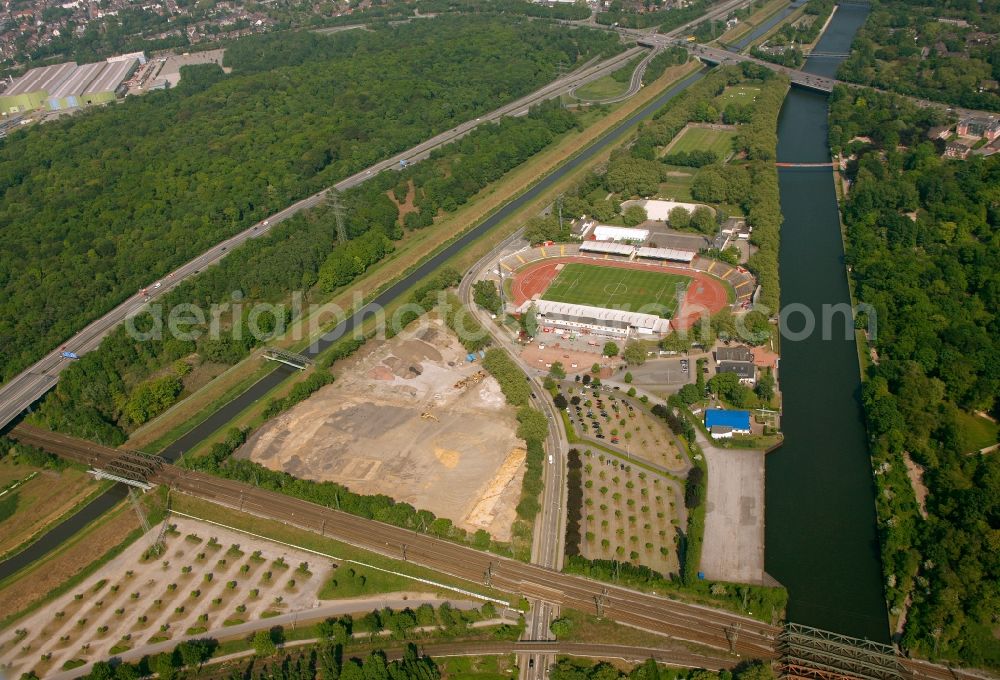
711,628
699,625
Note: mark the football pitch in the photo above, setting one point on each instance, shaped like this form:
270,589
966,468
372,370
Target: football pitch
615,288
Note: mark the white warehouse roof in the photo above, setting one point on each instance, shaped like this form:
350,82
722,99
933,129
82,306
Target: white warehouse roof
603,232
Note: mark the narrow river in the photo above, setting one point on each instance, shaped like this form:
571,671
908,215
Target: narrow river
821,537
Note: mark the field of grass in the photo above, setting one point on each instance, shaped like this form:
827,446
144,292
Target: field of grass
678,184
701,139
615,288
602,88
744,94
980,432
478,667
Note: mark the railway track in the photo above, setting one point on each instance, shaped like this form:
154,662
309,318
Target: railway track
699,625
705,626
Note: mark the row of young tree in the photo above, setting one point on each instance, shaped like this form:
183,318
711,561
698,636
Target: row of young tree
324,659
573,669
98,205
904,46
922,244
110,391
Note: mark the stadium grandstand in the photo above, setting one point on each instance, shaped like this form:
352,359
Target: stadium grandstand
631,252
598,320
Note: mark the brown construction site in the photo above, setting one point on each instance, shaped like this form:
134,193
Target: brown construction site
414,420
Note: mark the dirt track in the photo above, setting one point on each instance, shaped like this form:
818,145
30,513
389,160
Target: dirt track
402,423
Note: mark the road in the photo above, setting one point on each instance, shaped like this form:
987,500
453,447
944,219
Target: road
548,539
18,393
697,624
710,628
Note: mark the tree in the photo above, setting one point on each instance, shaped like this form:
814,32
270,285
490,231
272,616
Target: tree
486,295
163,665
679,217
529,320
689,394
753,670
765,386
610,349
634,215
635,353
101,670
557,371
561,627
627,377
263,644
560,401
703,220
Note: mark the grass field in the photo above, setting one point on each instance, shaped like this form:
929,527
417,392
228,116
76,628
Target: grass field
744,94
677,186
602,88
615,288
980,432
700,139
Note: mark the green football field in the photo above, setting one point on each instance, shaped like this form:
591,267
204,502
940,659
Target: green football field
703,139
614,288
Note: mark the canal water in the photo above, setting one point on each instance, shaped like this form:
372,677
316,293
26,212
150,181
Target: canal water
821,535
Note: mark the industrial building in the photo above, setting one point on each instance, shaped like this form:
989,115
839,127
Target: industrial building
613,323
69,85
723,424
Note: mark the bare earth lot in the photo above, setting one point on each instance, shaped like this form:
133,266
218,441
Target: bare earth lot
415,421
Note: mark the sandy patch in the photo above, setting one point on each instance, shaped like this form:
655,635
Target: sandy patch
415,420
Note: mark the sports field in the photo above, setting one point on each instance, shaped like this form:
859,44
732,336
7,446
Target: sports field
615,288
704,139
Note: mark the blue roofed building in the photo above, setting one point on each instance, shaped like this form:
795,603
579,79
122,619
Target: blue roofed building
722,423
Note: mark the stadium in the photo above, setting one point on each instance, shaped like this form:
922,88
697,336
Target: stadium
619,290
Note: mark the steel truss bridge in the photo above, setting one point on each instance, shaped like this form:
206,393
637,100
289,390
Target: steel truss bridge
813,654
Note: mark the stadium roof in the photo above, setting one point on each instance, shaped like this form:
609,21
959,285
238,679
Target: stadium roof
45,78
666,254
599,316
607,247
738,420
111,76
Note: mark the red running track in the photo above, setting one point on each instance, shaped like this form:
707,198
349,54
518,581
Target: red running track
705,294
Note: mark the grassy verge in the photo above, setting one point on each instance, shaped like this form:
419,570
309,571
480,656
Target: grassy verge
751,22
278,531
154,504
56,521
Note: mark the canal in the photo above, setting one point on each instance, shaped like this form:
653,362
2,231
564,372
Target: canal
821,535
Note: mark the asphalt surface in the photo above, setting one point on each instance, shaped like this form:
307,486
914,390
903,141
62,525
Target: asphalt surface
28,386
548,543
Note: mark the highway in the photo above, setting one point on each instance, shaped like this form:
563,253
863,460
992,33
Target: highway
18,393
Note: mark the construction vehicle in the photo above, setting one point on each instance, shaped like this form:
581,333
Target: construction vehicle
473,379
427,415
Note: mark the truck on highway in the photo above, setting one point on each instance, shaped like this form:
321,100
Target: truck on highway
68,355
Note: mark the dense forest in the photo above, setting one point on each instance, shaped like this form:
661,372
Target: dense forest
98,205
125,383
923,244
944,51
